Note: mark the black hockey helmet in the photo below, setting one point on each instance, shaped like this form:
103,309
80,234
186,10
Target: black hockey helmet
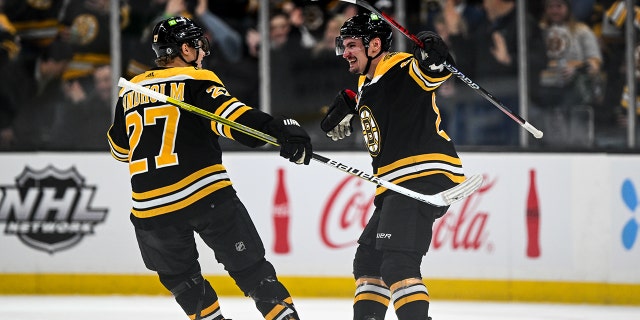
170,34
365,26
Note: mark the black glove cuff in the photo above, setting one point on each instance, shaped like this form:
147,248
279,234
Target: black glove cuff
342,105
286,130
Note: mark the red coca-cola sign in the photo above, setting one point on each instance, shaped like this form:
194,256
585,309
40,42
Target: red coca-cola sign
346,212
350,206
465,229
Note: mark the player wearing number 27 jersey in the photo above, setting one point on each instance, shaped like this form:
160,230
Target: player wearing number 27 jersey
173,166
180,186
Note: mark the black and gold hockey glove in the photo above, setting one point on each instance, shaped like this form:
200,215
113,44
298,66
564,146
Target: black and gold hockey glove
434,53
294,141
337,123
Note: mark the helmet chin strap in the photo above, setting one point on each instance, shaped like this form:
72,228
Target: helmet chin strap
369,59
193,63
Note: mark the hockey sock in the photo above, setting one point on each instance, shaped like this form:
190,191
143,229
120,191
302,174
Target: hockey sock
274,301
410,299
371,299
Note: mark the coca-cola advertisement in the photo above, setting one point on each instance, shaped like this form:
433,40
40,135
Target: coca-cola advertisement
281,215
314,217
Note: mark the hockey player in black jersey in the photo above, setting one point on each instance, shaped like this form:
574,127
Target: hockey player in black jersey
396,107
180,185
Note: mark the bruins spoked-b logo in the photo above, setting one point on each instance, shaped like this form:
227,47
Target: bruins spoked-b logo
370,131
49,209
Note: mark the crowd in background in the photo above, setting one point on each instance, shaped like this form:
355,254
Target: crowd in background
56,73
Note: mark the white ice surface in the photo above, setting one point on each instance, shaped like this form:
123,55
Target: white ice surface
237,308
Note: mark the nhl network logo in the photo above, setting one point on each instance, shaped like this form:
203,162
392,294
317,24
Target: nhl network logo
50,209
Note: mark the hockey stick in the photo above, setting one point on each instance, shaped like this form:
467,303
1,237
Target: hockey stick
515,117
444,198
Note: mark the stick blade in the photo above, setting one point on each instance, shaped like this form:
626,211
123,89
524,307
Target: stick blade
463,190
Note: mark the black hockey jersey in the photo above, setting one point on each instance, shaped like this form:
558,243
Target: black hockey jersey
175,160
401,126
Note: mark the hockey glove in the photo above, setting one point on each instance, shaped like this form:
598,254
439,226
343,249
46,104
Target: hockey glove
294,141
337,122
433,54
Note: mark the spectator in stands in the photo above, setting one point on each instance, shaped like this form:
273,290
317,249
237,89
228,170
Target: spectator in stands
279,29
287,57
572,50
226,39
36,23
227,28
230,26
611,118
316,79
488,54
137,34
470,14
37,89
86,109
331,31
301,25
571,83
87,28
574,56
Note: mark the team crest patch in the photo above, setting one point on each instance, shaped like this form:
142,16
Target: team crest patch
370,131
84,29
49,209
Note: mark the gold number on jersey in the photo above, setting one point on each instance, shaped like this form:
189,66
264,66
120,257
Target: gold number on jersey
166,156
134,125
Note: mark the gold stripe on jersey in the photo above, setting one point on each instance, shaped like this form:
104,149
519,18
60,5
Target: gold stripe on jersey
420,166
117,152
175,74
231,110
423,80
389,60
180,194
218,128
440,132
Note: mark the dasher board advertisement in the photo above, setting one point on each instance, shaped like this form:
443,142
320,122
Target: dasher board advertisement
550,217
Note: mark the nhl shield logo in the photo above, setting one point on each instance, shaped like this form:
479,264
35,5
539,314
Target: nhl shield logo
49,209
